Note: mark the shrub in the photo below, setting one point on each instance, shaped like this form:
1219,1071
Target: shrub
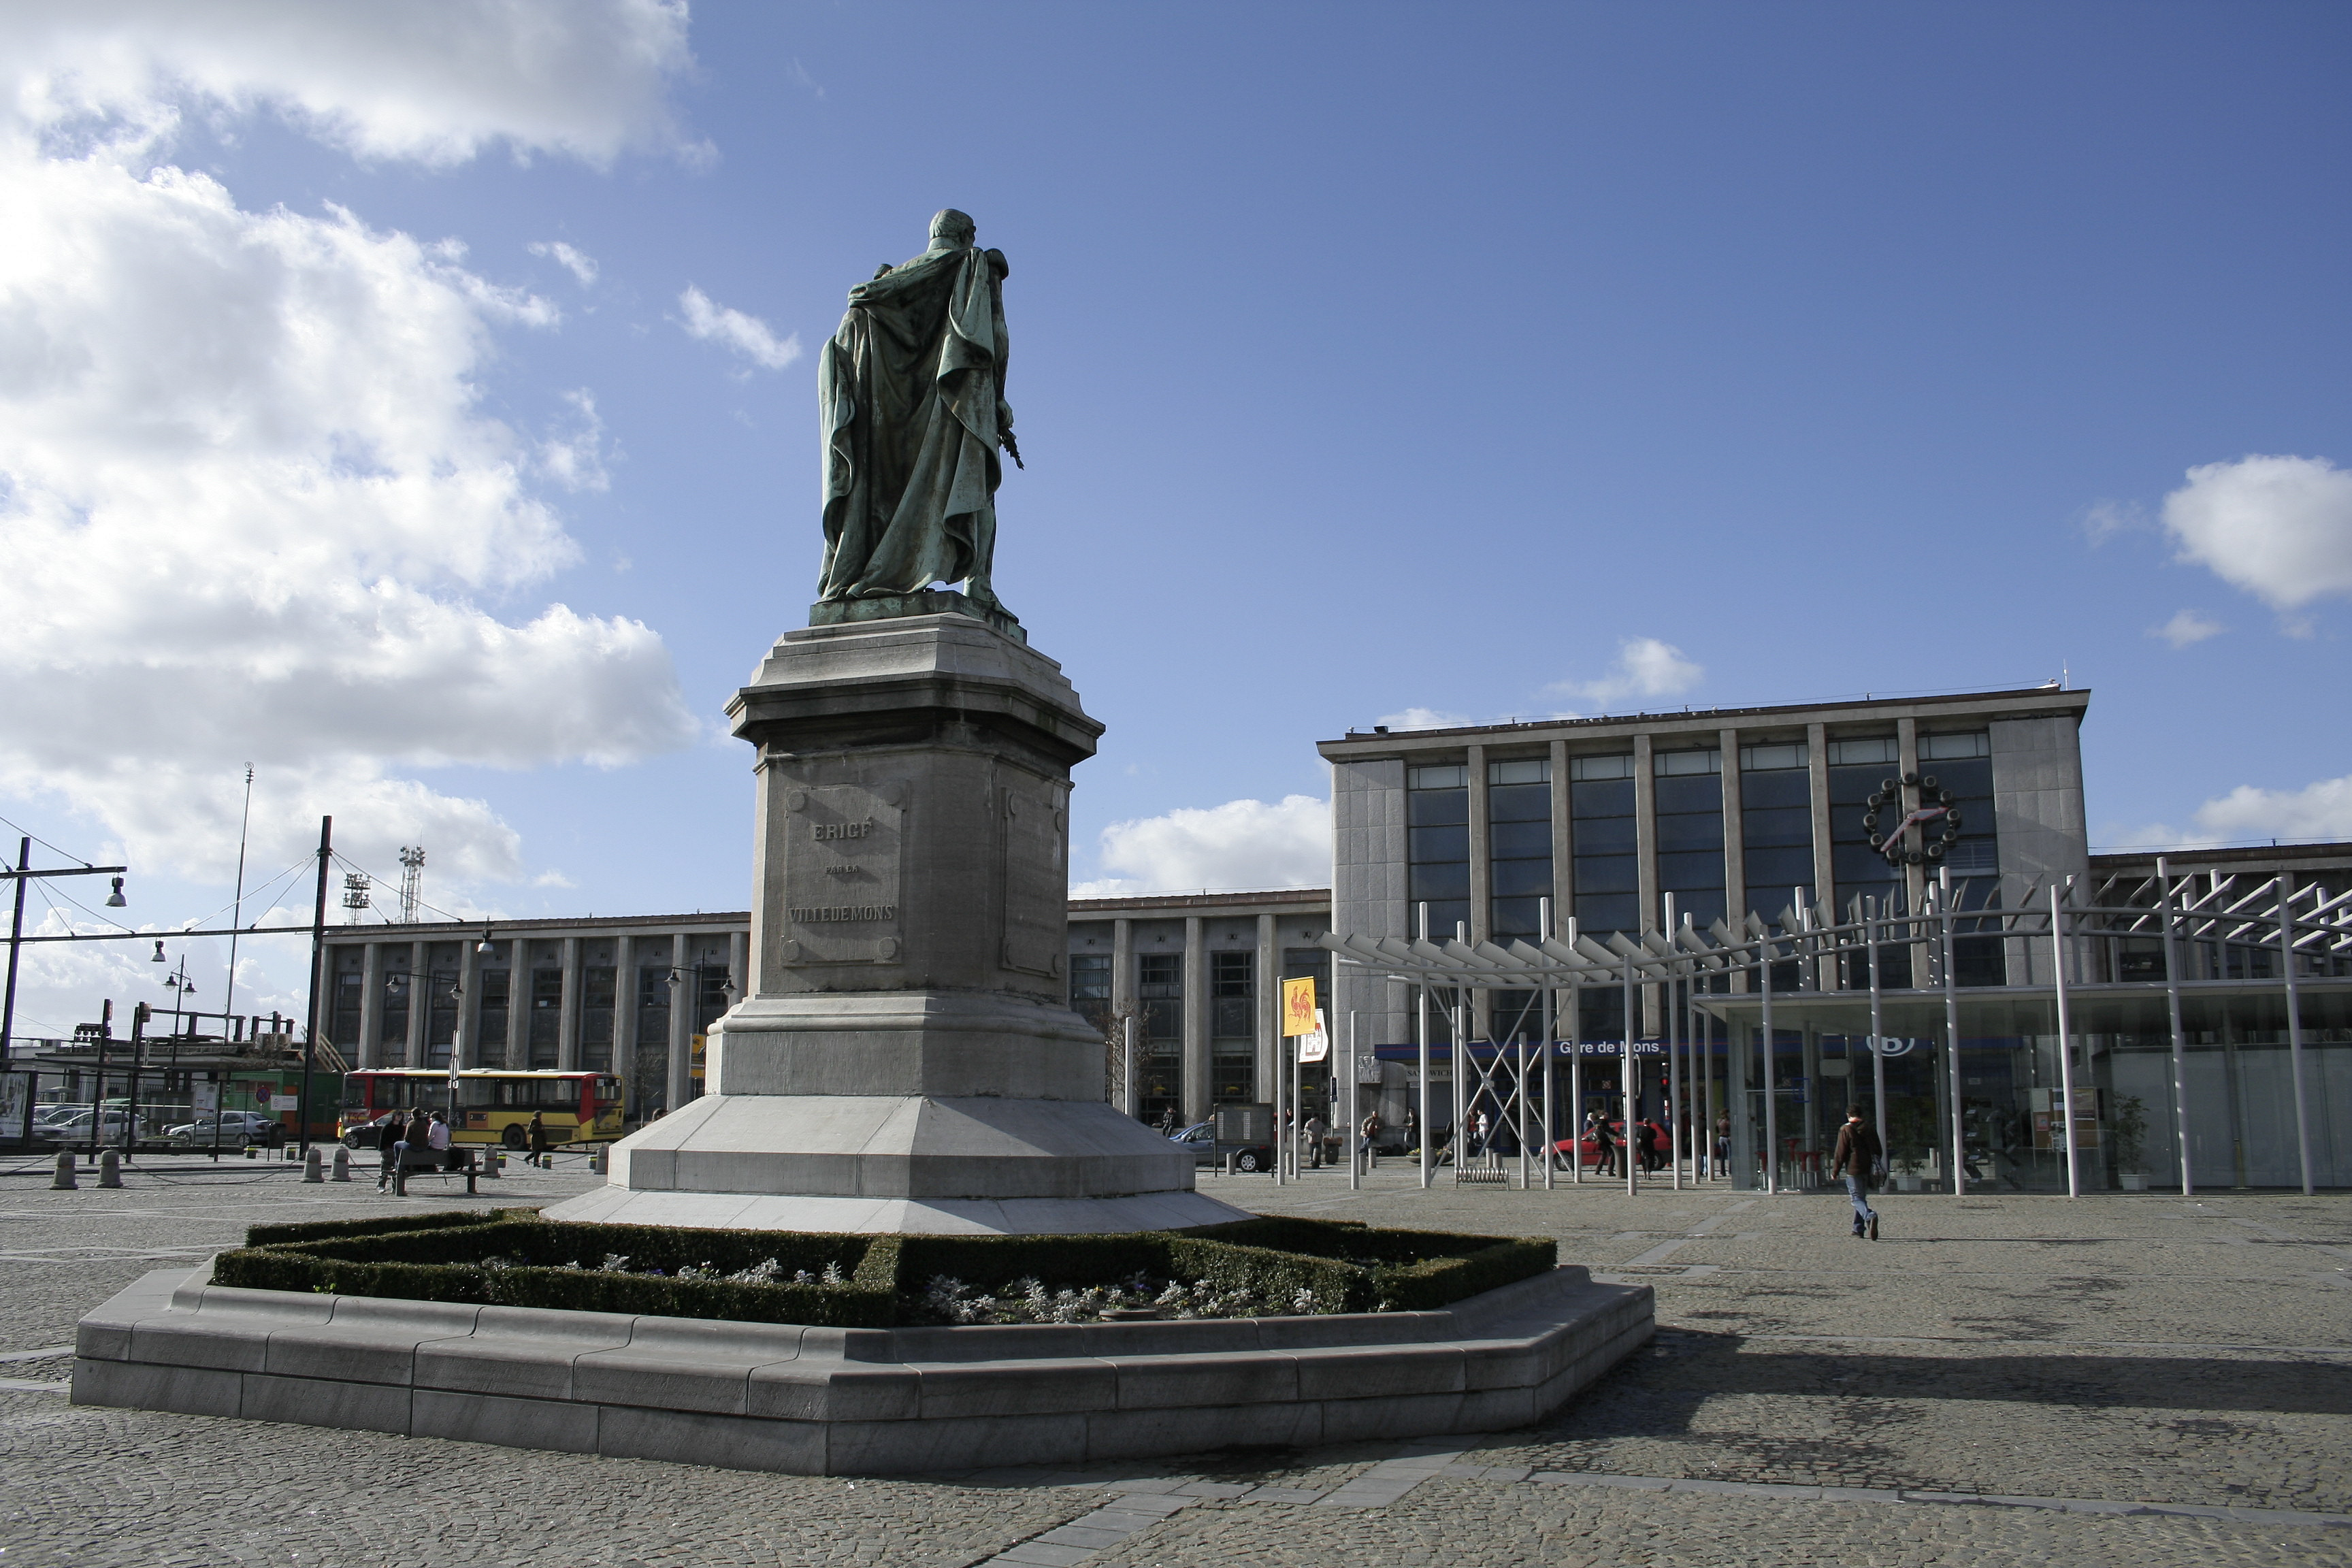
512,1258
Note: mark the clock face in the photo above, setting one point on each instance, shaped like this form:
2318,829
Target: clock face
1911,801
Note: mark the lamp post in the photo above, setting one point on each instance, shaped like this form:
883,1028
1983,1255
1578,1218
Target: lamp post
682,1075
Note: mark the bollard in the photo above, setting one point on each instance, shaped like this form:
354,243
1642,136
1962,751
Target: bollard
109,1169
596,1163
493,1163
251,1153
311,1167
64,1182
343,1163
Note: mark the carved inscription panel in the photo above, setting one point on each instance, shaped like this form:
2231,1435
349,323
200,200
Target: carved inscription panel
1037,878
842,881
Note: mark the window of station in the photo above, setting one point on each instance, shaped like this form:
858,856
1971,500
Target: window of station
1608,864
441,1008
392,1025
1090,986
349,979
1518,817
1690,831
599,988
546,1015
1233,1026
1159,996
1776,827
1858,769
1962,764
491,986
649,1074
1437,844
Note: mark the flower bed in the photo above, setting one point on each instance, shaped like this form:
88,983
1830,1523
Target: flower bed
1250,1268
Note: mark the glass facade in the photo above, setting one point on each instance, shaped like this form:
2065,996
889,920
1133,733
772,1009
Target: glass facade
1607,874
1690,833
1519,815
1437,844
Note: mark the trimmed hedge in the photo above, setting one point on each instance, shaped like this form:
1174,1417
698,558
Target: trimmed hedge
319,1230
512,1257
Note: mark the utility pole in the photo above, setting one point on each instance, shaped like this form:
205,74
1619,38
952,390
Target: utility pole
317,963
236,919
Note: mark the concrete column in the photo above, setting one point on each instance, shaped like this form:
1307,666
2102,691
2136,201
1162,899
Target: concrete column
1646,829
371,1053
1268,981
1906,753
1196,1021
1482,851
1123,1003
466,1051
517,1003
681,1027
1817,771
739,960
567,1026
1563,842
1735,832
420,1003
624,1019
1482,883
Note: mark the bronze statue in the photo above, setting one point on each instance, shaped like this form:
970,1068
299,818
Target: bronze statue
910,391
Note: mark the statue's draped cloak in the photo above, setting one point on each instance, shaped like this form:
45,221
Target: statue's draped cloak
910,397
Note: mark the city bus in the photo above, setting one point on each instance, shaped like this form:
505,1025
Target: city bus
494,1106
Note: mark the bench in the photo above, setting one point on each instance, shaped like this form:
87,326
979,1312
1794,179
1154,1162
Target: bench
433,1162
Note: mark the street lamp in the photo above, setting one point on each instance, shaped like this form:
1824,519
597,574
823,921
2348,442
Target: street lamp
115,901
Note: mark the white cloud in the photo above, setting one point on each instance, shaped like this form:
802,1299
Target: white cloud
2102,520
1645,667
2280,528
745,335
2185,629
251,506
433,81
579,263
2250,815
1241,844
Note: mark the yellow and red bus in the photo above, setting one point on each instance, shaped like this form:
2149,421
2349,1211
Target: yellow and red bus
494,1106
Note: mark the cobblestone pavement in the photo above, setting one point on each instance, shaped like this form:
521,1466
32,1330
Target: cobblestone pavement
2137,1380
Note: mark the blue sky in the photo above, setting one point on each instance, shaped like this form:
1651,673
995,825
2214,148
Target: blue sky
1481,361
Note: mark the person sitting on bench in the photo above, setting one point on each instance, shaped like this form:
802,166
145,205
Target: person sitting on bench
437,1136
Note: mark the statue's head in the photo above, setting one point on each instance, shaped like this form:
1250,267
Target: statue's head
952,230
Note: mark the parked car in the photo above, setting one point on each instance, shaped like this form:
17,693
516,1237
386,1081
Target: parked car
119,1128
237,1130
370,1135
1201,1139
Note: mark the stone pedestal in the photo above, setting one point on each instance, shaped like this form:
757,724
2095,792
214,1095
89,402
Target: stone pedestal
904,1057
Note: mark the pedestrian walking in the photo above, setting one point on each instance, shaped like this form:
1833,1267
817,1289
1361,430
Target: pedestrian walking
538,1139
1369,1131
1604,1144
1167,1123
1480,1131
1315,1131
1857,1160
389,1132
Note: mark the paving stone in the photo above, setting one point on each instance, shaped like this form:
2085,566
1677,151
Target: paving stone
2145,1381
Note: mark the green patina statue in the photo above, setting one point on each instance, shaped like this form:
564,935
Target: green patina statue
910,392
